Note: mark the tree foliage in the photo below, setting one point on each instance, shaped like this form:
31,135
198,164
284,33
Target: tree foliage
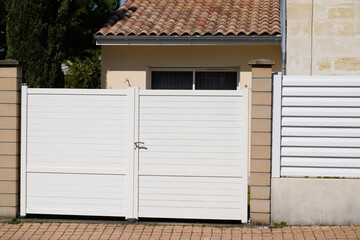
42,34
85,17
3,14
84,71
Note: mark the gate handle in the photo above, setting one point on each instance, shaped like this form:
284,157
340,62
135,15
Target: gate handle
137,145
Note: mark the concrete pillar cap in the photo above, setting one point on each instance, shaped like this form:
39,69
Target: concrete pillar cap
261,62
9,63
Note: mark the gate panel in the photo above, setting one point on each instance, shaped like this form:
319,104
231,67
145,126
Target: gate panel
76,152
195,165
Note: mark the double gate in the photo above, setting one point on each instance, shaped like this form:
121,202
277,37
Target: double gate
135,153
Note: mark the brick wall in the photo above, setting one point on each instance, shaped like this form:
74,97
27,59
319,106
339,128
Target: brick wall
10,80
260,164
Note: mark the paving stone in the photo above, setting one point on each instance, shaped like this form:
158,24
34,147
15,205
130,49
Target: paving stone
76,231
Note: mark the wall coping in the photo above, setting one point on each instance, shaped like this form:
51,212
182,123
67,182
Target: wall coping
9,63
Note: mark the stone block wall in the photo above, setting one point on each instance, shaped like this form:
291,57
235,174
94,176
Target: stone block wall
10,80
323,37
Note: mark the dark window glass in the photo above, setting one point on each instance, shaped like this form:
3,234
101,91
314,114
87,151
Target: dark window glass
172,80
215,80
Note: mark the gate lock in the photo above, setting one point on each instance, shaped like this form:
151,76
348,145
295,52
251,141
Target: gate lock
137,145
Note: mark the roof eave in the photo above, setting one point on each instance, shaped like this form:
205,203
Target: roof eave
188,40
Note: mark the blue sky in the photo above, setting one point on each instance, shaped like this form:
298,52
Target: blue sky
122,1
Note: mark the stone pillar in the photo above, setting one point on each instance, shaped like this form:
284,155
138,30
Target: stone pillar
260,165
10,80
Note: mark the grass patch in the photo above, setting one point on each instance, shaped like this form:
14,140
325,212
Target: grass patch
279,225
14,221
150,224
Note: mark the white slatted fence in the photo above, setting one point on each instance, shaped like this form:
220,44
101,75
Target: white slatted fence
316,126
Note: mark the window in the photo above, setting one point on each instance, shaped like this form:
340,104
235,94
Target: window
194,79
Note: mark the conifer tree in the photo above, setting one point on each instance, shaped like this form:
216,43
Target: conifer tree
43,34
35,37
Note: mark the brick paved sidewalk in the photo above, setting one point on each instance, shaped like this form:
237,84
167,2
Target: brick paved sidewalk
124,231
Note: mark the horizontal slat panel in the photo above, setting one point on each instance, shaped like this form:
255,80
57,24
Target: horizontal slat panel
84,122
93,133
76,169
72,202
190,204
197,124
75,147
75,154
198,197
321,81
74,92
192,213
320,122
321,102
320,152
79,140
320,112
321,91
236,136
77,128
185,111
185,161
80,160
84,211
76,115
195,198
191,130
320,142
190,117
196,104
159,182
41,110
194,142
320,132
75,193
91,180
193,155
191,170
325,172
193,149
81,101
320,162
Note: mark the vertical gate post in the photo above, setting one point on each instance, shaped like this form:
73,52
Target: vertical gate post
10,80
276,126
132,155
260,153
23,160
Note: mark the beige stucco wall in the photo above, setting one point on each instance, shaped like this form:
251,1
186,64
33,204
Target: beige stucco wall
121,63
309,201
323,37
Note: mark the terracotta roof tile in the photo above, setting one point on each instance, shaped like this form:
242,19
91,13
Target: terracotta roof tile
195,17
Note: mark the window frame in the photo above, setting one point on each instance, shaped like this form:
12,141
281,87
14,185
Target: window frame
194,70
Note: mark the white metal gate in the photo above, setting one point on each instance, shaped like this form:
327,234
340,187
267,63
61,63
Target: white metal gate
135,153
